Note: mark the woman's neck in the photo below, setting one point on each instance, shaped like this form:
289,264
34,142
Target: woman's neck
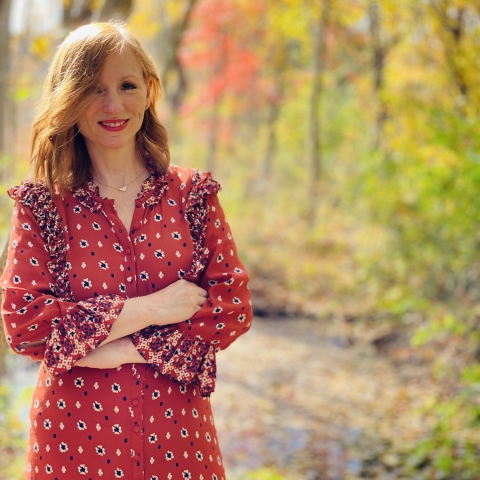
116,169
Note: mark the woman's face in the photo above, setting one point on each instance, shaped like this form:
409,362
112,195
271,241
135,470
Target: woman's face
116,109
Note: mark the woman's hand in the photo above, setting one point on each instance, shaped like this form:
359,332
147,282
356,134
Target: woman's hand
112,355
173,304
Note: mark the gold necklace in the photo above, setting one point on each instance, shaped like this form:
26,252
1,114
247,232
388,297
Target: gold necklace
122,189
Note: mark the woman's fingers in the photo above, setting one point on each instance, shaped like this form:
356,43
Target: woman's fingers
178,302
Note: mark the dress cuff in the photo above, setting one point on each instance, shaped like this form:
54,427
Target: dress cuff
179,356
82,329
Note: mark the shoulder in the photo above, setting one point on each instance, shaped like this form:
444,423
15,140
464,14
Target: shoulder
194,183
31,192
39,199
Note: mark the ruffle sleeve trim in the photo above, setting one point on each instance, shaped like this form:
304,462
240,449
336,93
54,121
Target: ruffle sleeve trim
196,210
37,196
85,326
179,356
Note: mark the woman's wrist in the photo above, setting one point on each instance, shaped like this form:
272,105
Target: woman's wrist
144,312
127,351
115,353
135,313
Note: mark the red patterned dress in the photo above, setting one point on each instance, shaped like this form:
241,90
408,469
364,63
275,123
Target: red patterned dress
71,265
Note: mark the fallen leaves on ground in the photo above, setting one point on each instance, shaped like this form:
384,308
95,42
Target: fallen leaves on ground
294,396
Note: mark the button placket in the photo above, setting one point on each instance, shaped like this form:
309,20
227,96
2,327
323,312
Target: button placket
136,421
131,270
110,213
135,220
128,249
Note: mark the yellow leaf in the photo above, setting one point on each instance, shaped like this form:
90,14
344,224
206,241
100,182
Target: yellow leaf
40,46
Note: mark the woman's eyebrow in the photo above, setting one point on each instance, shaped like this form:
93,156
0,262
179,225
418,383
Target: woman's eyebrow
126,77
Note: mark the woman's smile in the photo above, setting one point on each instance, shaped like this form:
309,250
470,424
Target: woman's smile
114,125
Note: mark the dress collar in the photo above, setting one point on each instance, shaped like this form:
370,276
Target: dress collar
151,192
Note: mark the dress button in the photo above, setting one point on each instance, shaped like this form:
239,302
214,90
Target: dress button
136,428
128,251
135,402
136,456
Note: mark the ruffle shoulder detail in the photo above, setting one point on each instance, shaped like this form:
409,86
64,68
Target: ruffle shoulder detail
38,197
196,210
28,190
202,184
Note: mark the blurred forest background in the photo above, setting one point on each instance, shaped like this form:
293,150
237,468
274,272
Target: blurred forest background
345,134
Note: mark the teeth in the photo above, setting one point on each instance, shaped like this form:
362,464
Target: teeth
116,124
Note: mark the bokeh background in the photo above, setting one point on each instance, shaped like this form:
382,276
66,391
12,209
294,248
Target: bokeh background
345,134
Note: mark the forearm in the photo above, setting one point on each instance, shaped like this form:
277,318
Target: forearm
131,319
173,304
111,355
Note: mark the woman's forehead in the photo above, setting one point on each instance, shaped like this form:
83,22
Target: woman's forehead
121,65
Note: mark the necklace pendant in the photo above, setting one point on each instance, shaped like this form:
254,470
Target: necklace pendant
123,189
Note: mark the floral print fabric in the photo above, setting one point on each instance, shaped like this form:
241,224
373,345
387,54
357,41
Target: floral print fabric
71,266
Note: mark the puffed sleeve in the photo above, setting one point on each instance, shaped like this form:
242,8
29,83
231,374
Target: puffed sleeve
41,318
186,352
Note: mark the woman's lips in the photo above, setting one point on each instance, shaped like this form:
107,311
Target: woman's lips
113,125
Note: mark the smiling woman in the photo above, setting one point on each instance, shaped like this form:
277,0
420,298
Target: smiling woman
122,277
98,68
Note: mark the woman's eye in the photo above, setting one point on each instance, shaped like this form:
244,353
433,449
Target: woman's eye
128,86
98,90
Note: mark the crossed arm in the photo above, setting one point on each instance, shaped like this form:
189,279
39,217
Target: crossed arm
175,303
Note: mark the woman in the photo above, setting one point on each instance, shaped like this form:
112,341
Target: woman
122,277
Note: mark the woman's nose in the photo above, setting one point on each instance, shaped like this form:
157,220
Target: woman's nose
112,102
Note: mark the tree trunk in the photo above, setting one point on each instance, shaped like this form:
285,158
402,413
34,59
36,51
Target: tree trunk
453,22
4,67
318,40
273,114
76,13
4,173
176,94
3,341
379,52
115,10
217,100
213,137
81,12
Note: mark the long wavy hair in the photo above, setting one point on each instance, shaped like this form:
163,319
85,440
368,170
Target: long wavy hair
59,154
